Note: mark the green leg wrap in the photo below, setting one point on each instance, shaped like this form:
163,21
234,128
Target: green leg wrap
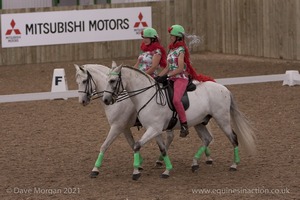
207,151
136,162
168,163
199,152
98,162
236,155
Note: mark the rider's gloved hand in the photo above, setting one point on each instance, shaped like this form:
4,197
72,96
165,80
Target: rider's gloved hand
156,78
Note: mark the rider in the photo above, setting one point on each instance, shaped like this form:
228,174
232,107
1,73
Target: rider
179,69
152,53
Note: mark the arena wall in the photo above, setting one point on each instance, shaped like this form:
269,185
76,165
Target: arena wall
263,28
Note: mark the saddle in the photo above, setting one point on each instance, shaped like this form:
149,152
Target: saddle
169,91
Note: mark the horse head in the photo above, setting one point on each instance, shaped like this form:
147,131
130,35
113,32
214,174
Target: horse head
114,84
85,85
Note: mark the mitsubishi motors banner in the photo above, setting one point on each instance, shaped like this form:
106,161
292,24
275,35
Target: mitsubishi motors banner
78,26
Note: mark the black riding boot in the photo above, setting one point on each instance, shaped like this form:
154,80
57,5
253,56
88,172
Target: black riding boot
184,131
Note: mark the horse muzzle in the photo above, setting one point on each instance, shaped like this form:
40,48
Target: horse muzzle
109,100
106,101
85,102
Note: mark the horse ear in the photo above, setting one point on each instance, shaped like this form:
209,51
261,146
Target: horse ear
79,68
76,67
113,64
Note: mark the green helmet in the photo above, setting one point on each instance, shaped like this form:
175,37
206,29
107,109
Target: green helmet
149,33
176,30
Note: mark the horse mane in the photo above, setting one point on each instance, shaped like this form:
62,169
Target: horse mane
139,71
93,66
89,67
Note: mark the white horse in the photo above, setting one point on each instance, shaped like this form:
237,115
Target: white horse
91,80
209,99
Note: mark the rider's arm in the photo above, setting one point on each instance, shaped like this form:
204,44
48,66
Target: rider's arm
164,71
155,62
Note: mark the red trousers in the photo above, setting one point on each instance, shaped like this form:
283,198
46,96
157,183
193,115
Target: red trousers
179,89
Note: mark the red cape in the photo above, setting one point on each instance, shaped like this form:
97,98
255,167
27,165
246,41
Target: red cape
190,69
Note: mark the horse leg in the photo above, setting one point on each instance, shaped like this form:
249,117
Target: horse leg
163,150
129,137
231,135
236,158
130,140
113,133
209,160
206,138
170,137
148,135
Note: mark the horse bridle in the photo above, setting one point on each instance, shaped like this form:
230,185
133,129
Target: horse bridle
89,91
116,90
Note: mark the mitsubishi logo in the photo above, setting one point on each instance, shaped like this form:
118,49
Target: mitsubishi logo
9,31
137,24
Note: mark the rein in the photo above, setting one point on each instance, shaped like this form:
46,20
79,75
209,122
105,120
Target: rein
160,98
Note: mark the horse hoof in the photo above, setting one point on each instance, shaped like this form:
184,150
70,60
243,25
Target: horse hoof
94,174
158,165
209,162
140,168
232,169
135,177
165,176
195,168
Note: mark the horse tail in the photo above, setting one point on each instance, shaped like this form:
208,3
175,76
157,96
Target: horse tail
243,128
